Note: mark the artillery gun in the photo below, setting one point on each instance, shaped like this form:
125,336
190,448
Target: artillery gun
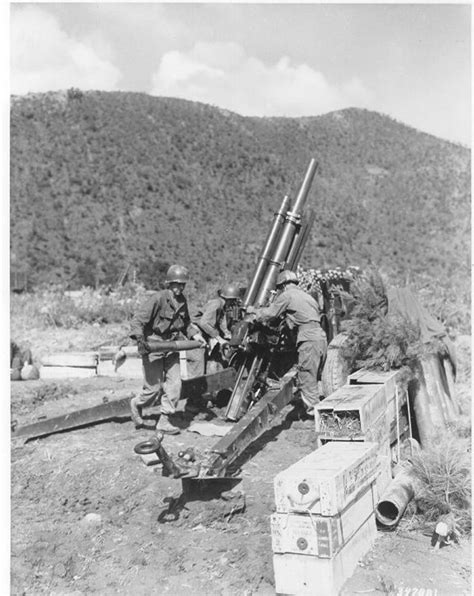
262,355
260,375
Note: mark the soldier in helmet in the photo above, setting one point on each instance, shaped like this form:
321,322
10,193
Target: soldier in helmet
215,323
165,317
302,313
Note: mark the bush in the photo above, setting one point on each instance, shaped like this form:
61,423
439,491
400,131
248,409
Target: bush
52,306
445,470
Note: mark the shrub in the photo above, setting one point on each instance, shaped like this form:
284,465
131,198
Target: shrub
444,468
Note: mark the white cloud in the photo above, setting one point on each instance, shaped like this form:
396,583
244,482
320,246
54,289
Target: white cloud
45,58
223,75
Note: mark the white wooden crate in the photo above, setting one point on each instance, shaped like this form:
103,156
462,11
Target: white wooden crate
318,535
303,574
374,377
71,359
352,408
378,432
385,474
66,372
328,479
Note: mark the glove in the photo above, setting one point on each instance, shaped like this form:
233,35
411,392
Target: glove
143,347
251,310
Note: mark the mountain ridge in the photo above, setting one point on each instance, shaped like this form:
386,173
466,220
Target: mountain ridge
102,179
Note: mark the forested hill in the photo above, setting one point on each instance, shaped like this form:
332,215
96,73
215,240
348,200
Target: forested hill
100,180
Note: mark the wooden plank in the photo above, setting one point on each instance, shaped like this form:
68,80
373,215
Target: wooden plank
385,474
327,480
71,359
321,536
388,379
303,574
66,372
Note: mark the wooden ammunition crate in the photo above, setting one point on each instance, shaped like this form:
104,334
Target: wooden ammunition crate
328,479
304,574
385,474
374,377
351,410
389,380
377,432
318,535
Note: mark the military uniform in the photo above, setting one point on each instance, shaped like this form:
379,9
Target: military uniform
164,317
302,313
212,321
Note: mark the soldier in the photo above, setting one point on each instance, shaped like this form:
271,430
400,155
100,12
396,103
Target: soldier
164,316
21,363
215,322
301,312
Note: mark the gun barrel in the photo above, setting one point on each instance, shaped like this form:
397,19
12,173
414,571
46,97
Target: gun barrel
299,241
292,221
266,253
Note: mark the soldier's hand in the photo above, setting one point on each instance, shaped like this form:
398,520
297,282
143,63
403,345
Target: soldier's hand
250,313
143,346
198,337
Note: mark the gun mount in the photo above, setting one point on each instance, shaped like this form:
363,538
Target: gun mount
260,353
283,248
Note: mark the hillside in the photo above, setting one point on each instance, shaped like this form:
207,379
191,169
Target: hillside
99,180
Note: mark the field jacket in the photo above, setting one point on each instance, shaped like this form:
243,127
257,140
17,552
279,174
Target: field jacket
212,318
300,310
164,316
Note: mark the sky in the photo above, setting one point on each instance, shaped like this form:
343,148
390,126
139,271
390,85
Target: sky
409,61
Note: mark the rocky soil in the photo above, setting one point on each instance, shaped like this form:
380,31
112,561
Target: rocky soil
88,516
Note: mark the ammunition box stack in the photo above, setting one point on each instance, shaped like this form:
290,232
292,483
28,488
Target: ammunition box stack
324,521
366,409
395,406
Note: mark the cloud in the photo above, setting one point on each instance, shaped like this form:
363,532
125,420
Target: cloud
224,75
45,58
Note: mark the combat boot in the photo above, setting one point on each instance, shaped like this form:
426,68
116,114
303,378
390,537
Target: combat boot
136,413
166,426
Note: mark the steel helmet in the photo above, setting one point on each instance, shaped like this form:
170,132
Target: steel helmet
177,274
286,277
230,291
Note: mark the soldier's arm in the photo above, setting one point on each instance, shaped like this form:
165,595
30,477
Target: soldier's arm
275,310
191,329
143,315
208,320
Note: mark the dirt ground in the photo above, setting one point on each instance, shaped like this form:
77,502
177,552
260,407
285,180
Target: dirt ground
88,516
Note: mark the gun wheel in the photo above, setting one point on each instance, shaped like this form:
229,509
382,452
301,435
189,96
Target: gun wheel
146,447
336,368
